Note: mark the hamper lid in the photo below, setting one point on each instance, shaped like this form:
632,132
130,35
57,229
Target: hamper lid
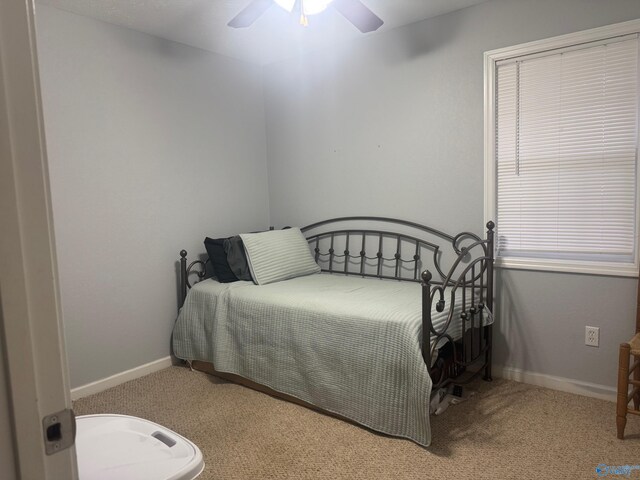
130,448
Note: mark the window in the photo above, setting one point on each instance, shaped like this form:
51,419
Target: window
561,152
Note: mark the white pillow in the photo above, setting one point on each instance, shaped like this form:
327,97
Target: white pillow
278,255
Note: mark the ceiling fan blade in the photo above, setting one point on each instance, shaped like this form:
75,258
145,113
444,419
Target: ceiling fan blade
358,14
250,13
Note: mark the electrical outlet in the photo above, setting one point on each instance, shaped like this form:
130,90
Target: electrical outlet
592,336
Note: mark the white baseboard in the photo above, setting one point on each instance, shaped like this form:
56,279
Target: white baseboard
509,373
556,383
114,380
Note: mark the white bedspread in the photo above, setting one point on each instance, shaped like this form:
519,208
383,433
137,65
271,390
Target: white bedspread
348,345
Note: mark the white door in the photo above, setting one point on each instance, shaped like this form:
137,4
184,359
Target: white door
34,366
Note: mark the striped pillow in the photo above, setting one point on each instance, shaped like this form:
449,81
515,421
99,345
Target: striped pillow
278,255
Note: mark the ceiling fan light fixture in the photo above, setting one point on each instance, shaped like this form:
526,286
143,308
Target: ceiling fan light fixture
353,10
310,7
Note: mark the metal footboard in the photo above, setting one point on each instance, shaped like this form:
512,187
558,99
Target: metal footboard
471,350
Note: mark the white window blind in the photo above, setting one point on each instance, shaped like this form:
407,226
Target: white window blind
566,125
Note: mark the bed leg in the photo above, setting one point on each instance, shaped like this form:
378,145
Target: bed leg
487,368
426,318
183,278
490,302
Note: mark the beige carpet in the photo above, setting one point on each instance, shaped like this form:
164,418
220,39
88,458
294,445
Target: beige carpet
507,430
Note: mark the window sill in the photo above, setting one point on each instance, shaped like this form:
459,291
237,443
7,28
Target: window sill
568,266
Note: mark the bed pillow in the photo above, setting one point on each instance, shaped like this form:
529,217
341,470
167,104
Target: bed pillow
278,255
236,258
218,257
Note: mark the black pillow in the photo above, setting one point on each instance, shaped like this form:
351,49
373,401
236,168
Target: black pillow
236,258
218,257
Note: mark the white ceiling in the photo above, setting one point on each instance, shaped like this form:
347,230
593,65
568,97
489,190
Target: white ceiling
274,36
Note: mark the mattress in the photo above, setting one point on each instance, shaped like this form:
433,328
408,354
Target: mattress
348,345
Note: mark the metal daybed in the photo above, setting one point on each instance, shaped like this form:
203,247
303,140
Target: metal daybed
368,338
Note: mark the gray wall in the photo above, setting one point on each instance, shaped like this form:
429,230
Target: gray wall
393,125
152,146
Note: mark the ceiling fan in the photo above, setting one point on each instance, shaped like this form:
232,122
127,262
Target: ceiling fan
353,10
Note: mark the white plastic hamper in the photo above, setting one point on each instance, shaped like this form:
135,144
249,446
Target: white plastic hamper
122,447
